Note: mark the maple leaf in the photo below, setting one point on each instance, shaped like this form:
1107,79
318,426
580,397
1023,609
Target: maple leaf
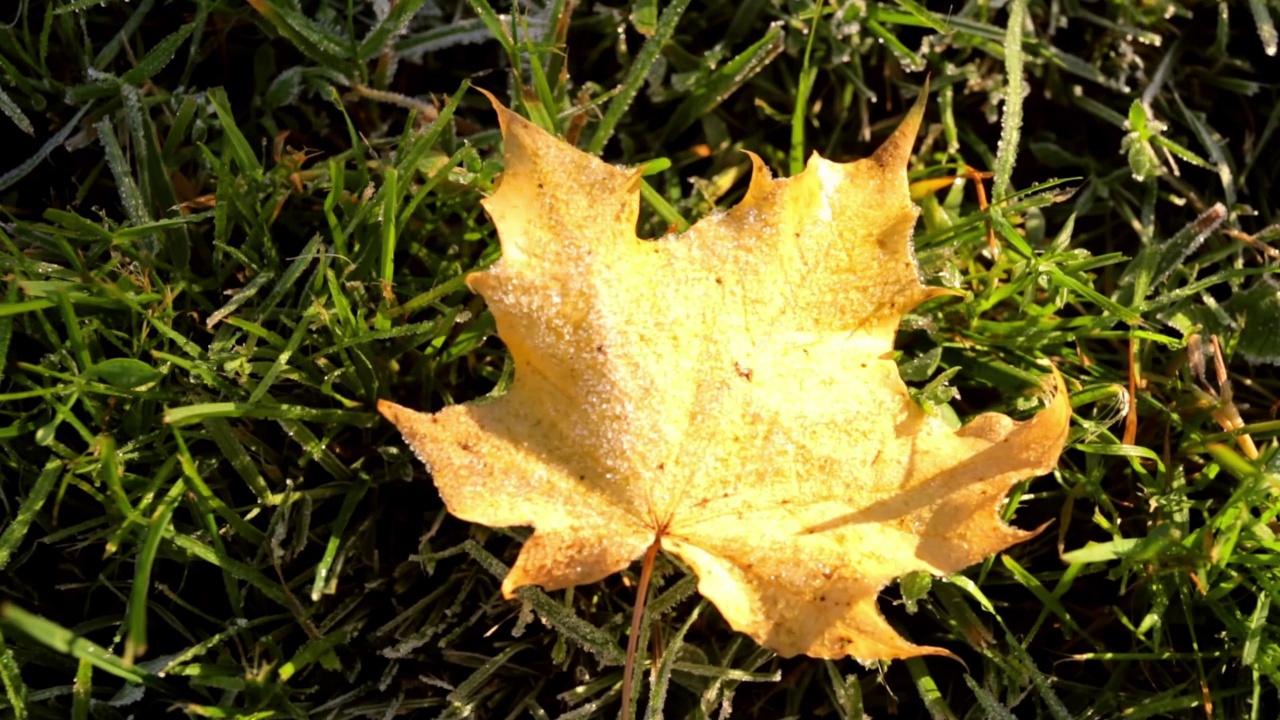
729,394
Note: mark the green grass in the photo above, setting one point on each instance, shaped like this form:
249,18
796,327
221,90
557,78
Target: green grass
229,228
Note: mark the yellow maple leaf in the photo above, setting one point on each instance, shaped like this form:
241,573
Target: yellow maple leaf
729,394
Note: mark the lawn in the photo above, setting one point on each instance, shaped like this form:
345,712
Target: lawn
227,229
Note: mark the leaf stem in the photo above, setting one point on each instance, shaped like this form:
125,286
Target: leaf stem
642,592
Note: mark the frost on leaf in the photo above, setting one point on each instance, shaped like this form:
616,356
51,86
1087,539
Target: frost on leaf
729,393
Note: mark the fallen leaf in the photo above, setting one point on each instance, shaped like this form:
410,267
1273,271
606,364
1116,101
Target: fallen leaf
729,394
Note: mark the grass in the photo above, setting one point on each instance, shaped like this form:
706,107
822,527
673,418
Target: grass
229,228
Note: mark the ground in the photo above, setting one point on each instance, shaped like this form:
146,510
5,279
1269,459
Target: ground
230,228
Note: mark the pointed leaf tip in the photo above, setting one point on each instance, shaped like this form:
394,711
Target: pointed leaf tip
387,408
761,183
492,98
896,151
505,115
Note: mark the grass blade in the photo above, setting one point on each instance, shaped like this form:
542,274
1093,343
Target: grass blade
154,61
14,619
380,36
636,74
725,81
1011,115
14,534
11,676
240,149
14,113
800,113
662,675
13,176
135,643
354,495
311,38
